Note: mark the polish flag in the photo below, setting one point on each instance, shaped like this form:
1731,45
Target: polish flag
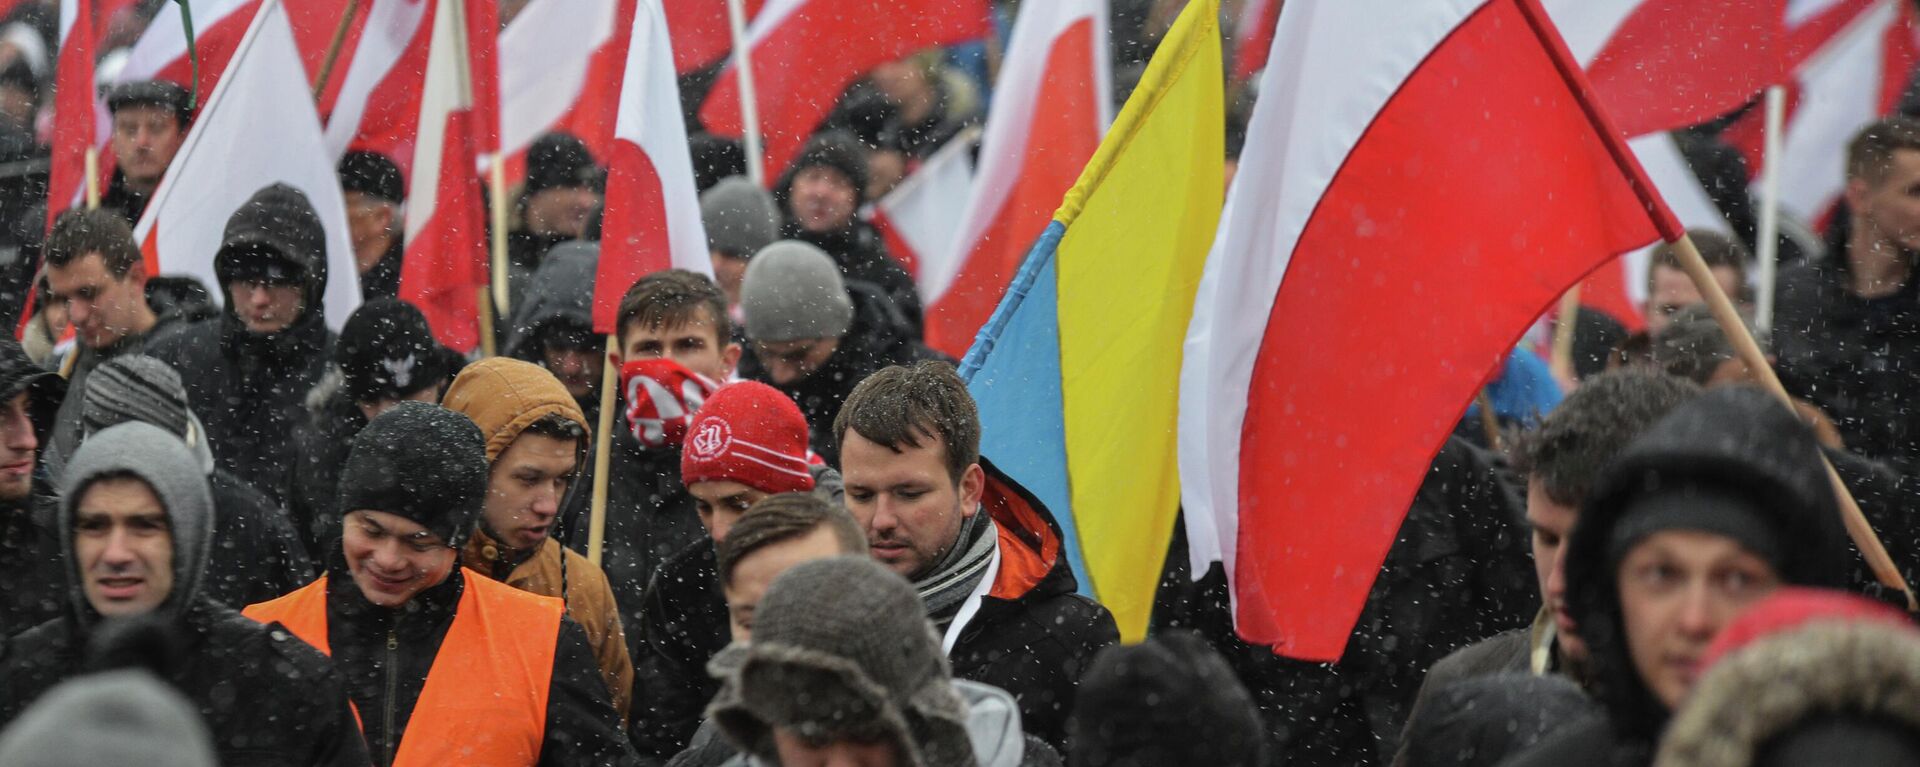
1053,104
560,67
1420,181
653,211
376,103
258,128
1660,65
1620,289
806,52
78,123
1255,35
916,219
446,228
1851,61
702,34
219,25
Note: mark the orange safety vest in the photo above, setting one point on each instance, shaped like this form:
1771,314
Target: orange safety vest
485,698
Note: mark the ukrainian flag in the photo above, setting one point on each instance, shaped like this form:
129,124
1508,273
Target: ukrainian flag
1077,372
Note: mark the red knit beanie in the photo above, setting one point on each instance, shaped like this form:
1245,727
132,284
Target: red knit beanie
750,433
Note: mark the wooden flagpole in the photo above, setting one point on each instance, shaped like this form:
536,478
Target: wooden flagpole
486,321
497,200
1749,352
1561,359
333,49
93,177
1489,421
1766,244
602,443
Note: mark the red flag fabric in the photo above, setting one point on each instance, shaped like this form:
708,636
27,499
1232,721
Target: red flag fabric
446,228
219,25
76,124
1660,65
1051,108
839,41
1254,35
652,217
560,70
701,31
1420,182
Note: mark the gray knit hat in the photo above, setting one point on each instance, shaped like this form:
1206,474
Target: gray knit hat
135,387
842,650
116,717
793,291
740,217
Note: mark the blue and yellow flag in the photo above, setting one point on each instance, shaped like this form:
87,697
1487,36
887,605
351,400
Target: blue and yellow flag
1077,372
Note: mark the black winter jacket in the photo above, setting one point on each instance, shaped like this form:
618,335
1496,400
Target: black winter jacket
31,561
256,554
1857,359
878,337
385,656
268,699
862,256
1460,570
320,445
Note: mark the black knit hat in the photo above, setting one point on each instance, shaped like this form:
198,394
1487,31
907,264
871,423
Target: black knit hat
559,160
835,150
153,93
419,461
1170,700
387,351
372,174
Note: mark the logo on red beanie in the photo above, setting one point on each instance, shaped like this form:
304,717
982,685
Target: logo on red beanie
710,438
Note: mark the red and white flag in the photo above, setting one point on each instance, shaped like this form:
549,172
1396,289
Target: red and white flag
1851,60
806,52
376,92
1253,36
702,33
1419,182
1660,65
917,218
653,211
78,123
219,25
1051,107
446,228
258,128
560,67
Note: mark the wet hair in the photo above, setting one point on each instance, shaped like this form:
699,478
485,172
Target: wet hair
557,426
1870,154
785,517
1717,249
901,405
671,297
1581,437
79,232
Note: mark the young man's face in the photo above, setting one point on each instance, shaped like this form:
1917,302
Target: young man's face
695,344
393,558
908,503
19,448
822,199
578,366
525,487
124,546
145,139
1678,588
1671,290
720,504
1552,522
266,307
369,222
103,308
753,573
1889,209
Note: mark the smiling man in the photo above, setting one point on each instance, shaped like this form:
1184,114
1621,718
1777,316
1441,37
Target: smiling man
536,438
137,520
445,665
248,370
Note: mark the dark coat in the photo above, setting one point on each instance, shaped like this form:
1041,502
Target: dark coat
67,427
31,560
1857,359
382,280
1459,570
1480,721
247,388
862,256
256,553
878,337
581,728
268,699
320,445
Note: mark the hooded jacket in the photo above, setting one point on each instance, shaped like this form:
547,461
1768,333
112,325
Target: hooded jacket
856,247
29,546
503,397
1458,571
879,336
249,682
1482,720
247,387
561,289
1737,438
321,442
992,729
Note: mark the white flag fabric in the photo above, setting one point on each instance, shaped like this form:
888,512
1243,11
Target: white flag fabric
258,128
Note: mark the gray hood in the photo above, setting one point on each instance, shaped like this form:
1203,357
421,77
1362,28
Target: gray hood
169,467
561,289
993,728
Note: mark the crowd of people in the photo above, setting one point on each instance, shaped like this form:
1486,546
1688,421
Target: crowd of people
230,534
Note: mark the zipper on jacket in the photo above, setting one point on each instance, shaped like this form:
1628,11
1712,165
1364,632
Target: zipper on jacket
393,684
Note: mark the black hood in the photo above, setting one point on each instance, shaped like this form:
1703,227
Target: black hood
561,291
278,218
1735,439
44,387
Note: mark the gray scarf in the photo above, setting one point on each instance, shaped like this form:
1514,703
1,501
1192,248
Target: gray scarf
952,579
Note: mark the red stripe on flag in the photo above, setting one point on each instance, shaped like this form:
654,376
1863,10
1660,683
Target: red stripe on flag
897,246
1060,140
1429,254
74,123
1675,63
701,31
635,243
445,267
